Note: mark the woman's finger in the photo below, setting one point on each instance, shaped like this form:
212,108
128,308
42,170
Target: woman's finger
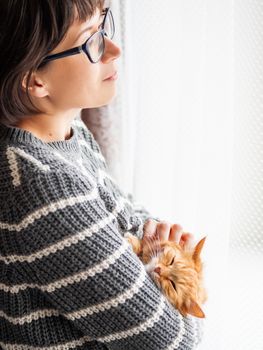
163,230
176,233
149,237
187,239
149,228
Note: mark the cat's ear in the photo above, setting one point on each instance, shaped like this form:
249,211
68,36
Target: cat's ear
194,309
198,249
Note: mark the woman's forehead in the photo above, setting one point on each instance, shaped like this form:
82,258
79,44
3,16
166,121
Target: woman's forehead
89,21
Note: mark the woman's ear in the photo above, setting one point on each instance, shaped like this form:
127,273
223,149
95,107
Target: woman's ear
37,87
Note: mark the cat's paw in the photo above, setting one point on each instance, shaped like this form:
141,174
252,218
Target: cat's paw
129,237
134,242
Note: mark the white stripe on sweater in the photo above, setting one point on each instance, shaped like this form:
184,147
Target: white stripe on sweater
149,323
96,154
11,153
50,208
143,327
195,331
30,158
179,337
61,204
114,302
80,124
32,316
105,305
81,168
198,329
11,157
65,346
66,242
75,278
101,174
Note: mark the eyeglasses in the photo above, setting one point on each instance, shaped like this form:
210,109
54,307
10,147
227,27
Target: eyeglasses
94,46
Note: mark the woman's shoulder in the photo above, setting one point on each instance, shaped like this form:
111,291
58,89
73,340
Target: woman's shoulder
22,163
31,175
31,180
36,174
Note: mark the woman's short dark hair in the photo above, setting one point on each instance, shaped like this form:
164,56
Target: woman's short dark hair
29,30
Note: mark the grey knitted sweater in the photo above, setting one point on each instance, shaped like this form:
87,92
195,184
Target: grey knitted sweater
68,279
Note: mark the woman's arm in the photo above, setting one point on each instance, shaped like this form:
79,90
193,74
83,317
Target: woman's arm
139,211
70,250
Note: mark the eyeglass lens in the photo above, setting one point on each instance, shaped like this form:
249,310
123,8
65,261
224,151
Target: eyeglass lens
95,45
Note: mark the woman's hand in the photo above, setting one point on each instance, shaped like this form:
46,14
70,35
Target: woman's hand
155,232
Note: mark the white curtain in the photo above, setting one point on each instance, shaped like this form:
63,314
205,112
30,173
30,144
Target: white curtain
189,142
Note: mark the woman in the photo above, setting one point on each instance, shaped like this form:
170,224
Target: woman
68,279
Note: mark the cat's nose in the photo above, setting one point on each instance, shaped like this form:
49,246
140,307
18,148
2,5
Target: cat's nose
157,270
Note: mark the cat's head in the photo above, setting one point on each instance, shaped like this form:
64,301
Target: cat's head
178,273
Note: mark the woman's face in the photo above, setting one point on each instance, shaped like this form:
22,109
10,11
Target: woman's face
75,82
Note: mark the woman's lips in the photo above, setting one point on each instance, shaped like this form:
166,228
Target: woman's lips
112,77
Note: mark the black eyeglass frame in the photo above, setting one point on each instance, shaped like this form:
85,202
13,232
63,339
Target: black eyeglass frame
84,47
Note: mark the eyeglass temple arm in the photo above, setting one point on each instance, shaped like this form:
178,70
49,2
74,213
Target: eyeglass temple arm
74,51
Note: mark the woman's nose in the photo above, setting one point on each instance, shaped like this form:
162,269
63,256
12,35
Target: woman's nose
157,270
112,51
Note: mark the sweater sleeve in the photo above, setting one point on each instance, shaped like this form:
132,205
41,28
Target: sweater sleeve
71,251
140,209
140,214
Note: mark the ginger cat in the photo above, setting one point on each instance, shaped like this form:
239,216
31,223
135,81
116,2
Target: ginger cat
176,270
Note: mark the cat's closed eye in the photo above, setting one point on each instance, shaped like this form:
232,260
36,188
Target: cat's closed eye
173,284
172,261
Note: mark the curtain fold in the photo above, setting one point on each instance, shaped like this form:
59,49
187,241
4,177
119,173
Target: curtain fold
184,136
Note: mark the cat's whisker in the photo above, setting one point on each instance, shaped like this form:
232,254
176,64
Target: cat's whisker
151,247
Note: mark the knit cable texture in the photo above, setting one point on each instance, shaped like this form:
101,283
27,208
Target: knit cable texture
68,278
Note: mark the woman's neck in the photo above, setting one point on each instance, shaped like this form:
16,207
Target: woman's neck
49,128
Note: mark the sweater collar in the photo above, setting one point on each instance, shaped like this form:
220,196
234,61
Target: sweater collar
11,134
